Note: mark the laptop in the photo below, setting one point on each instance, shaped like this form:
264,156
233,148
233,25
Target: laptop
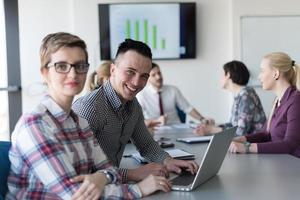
192,140
210,164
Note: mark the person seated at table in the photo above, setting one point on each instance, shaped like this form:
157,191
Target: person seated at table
116,117
281,75
99,76
54,153
102,74
247,112
159,101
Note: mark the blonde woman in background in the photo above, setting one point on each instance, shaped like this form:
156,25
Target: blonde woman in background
99,76
281,75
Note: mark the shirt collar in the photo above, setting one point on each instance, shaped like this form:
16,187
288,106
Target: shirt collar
153,90
112,96
242,90
56,111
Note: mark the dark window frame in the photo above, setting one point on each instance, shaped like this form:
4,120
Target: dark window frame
13,62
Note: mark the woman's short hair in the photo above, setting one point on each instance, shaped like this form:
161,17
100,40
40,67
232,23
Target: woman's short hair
239,73
54,41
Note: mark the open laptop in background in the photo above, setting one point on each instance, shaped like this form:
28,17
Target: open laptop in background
196,139
210,164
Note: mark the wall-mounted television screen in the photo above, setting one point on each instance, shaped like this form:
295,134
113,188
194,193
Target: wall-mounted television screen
168,28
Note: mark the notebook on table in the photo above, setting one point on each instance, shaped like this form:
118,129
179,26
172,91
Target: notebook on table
210,164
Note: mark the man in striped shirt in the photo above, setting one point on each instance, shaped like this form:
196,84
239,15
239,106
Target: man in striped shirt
115,115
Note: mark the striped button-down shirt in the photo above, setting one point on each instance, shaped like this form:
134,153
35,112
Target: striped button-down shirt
49,147
171,97
115,123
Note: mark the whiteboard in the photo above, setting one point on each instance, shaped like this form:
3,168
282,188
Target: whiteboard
264,34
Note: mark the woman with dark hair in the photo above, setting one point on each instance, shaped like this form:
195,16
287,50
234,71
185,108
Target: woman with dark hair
247,112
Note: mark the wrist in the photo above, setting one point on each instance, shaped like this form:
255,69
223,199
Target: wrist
132,175
247,146
221,126
167,159
139,190
253,148
216,129
201,118
108,176
240,139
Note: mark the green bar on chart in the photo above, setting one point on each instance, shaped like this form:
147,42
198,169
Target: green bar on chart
154,32
136,30
146,31
163,43
128,33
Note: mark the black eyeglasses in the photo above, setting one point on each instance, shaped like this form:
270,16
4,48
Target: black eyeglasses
64,68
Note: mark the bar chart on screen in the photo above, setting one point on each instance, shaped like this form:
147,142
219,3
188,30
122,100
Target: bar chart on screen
132,30
139,22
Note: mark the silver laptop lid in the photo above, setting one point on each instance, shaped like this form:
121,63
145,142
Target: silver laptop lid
213,158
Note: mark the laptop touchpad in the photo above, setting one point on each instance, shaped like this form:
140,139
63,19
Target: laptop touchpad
185,178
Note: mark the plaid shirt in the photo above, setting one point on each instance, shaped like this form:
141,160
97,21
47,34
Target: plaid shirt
115,123
49,147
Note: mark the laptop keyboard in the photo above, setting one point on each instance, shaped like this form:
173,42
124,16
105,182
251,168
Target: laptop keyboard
185,178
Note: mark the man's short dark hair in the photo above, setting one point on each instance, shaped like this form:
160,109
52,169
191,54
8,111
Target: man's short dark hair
239,74
134,45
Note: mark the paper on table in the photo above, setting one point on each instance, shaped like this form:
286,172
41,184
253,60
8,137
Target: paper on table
174,153
164,127
181,126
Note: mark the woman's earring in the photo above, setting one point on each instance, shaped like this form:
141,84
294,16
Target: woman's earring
276,77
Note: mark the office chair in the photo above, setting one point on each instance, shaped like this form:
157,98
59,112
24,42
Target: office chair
181,114
4,167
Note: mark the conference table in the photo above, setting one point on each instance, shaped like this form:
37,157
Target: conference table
241,177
